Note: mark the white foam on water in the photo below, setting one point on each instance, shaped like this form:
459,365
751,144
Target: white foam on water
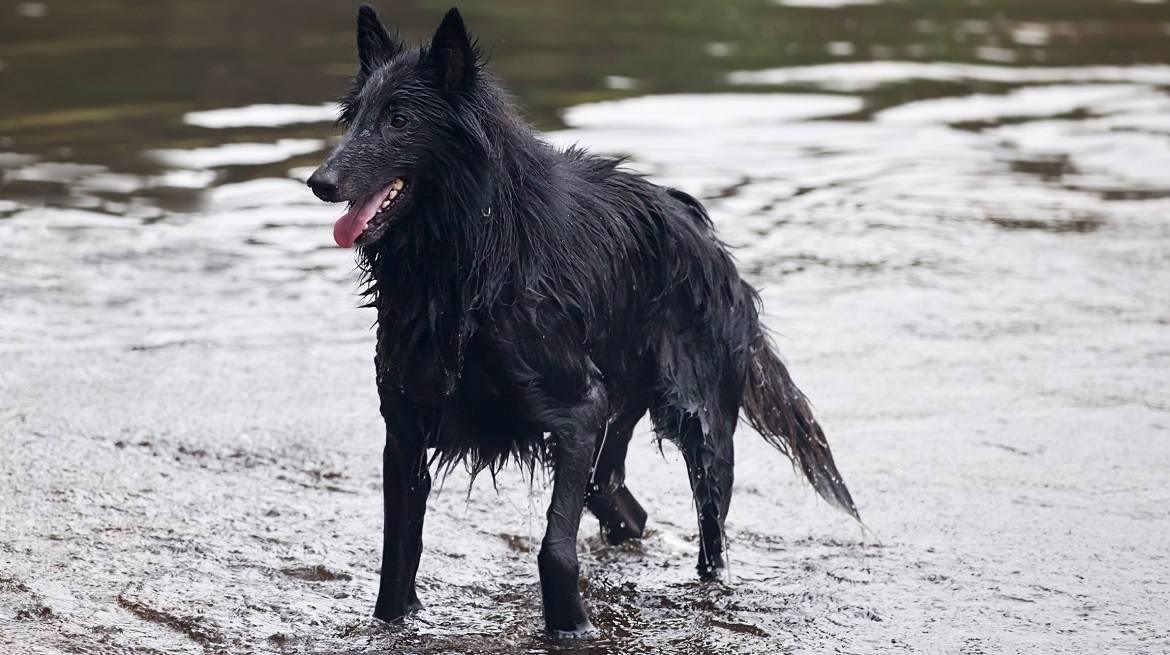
98,179
703,111
262,115
1031,34
111,182
51,171
1106,157
261,192
824,4
236,154
1032,101
301,173
862,76
14,159
185,179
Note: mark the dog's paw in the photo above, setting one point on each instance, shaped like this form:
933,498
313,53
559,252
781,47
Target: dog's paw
396,612
711,569
622,518
583,631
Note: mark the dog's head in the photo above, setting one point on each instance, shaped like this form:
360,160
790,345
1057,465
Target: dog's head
400,122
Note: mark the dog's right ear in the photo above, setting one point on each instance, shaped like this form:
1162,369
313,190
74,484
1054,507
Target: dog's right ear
374,43
453,55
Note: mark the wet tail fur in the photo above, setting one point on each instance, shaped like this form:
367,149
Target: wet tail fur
779,411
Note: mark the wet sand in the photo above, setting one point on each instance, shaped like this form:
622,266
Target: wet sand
1008,455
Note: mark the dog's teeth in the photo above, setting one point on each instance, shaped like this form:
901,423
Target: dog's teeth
393,194
386,204
398,184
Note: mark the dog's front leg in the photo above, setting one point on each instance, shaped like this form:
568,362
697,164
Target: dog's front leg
564,614
406,482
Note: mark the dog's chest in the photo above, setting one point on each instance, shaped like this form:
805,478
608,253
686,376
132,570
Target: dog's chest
475,378
482,414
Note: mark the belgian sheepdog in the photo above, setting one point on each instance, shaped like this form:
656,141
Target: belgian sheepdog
533,304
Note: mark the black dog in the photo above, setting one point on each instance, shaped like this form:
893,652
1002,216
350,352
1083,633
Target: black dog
533,304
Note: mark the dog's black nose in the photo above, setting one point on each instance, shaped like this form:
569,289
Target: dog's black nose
324,183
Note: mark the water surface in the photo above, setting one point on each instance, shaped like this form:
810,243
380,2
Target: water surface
956,212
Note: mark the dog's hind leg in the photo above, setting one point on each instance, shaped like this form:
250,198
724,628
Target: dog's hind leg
710,457
696,406
620,515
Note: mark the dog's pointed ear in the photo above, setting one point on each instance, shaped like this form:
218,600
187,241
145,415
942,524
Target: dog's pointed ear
452,55
374,43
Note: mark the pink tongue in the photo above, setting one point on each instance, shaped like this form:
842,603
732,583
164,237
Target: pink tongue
350,226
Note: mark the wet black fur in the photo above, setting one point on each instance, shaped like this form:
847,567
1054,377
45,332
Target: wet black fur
533,304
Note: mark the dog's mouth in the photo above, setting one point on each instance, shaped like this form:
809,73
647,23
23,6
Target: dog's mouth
367,218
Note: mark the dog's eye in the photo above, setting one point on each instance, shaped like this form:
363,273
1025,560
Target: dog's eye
398,122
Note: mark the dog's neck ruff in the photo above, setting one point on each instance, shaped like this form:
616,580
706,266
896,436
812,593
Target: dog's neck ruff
429,278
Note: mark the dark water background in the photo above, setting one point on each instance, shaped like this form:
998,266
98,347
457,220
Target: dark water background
957,212
99,82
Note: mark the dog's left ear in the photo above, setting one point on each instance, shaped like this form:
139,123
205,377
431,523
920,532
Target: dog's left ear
374,43
452,55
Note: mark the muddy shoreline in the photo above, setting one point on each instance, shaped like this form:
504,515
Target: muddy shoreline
223,498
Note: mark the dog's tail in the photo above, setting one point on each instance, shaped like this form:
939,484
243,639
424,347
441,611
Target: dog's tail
781,413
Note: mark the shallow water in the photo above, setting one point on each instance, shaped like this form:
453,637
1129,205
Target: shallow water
957,215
